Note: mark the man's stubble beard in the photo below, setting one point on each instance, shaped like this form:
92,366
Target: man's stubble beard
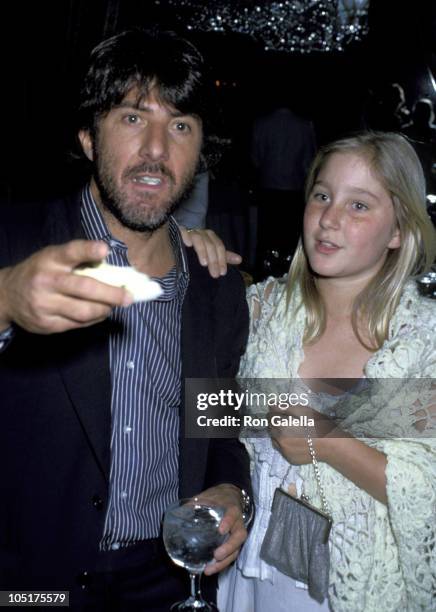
130,214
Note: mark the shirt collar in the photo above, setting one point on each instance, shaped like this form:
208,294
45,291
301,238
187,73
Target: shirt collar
95,228
93,223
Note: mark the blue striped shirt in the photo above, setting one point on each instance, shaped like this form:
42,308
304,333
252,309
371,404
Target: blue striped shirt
145,368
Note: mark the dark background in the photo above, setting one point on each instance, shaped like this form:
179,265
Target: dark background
44,46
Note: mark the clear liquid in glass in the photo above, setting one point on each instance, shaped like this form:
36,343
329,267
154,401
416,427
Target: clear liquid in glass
191,535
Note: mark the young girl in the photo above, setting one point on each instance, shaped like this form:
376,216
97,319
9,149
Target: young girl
349,308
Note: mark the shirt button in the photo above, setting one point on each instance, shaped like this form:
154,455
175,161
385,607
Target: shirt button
130,365
127,429
115,546
123,494
113,244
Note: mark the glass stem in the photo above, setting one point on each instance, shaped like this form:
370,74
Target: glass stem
195,587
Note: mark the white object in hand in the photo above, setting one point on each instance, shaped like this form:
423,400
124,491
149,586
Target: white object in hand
138,284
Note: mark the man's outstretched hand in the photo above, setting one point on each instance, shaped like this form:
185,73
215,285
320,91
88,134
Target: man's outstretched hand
42,295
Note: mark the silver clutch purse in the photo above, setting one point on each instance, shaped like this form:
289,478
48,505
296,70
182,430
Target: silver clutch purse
296,541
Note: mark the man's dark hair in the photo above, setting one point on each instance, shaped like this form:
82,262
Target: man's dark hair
143,59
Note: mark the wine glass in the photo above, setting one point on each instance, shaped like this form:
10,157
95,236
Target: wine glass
190,534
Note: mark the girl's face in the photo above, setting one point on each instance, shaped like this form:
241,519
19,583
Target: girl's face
349,221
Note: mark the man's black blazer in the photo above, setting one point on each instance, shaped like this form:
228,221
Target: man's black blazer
55,415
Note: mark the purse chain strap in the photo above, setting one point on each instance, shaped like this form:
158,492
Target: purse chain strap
325,506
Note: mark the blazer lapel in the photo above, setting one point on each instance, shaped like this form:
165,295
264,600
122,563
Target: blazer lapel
86,376
198,361
85,369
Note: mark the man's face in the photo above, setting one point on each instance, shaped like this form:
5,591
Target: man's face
145,157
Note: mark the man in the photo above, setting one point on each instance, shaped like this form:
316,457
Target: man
91,446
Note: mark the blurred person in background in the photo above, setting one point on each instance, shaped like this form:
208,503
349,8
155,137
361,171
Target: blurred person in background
283,146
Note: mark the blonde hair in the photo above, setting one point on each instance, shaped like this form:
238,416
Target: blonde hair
396,165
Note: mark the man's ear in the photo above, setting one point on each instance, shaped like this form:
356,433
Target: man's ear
86,142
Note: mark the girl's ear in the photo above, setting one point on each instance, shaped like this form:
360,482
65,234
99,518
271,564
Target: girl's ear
395,241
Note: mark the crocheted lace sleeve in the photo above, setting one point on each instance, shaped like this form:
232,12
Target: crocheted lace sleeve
267,305
411,467
261,299
410,351
389,552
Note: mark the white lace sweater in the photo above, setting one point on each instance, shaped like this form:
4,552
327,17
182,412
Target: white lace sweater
382,558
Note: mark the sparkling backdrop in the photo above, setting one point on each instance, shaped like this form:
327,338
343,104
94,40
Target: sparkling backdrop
296,26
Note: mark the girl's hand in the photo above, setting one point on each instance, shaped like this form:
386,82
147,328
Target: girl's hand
289,436
210,250
363,465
